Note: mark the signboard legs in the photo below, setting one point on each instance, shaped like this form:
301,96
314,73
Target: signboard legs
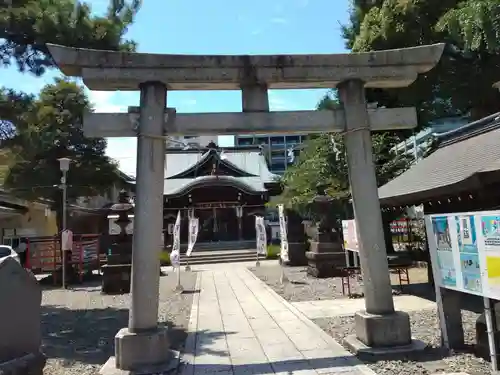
489,312
448,304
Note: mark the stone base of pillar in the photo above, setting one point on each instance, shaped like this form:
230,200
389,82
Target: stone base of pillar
145,353
325,259
379,335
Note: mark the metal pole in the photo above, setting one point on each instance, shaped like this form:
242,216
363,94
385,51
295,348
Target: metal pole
490,328
179,288
64,218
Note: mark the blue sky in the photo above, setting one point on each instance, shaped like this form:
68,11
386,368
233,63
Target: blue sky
215,27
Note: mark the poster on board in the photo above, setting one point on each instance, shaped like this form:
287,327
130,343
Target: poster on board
444,250
490,230
470,268
349,232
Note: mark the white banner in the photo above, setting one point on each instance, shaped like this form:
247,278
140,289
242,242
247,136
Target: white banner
175,255
193,234
260,231
283,234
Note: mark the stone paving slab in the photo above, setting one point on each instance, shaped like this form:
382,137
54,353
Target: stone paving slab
238,325
347,307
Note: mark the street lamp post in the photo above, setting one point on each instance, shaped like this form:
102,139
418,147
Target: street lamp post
64,167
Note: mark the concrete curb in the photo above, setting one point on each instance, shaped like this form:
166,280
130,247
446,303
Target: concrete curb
187,357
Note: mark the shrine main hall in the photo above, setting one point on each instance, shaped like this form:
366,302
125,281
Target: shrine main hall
224,187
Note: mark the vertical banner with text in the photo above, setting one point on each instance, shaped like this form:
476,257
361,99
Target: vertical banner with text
193,234
260,230
283,234
175,255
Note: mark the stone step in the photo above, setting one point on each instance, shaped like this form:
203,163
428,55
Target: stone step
220,260
223,245
221,253
221,256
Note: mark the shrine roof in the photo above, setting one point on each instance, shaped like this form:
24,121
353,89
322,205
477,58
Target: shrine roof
463,158
249,164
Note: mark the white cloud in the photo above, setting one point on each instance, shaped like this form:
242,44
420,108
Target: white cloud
256,32
103,102
190,102
277,103
123,150
279,20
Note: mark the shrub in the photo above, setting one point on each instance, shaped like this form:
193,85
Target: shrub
273,251
165,258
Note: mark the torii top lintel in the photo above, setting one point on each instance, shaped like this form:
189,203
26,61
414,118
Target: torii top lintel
111,70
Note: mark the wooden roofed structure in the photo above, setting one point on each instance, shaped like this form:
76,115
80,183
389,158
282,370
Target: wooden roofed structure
463,174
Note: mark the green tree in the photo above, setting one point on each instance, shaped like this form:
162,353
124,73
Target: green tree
323,160
27,25
47,128
462,81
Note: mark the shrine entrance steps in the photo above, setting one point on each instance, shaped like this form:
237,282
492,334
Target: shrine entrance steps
223,245
220,256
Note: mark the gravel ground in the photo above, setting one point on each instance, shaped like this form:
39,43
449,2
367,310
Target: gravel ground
79,325
302,287
425,327
425,324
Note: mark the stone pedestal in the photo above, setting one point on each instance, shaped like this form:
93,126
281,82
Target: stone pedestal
116,273
325,259
116,278
383,330
297,239
296,254
145,352
382,335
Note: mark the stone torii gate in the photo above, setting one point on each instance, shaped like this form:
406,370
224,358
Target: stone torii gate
143,344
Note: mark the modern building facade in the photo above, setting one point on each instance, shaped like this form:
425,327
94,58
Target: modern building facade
194,141
279,149
417,144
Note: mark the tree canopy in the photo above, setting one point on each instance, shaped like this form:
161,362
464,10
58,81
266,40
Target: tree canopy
462,81
27,25
49,127
323,159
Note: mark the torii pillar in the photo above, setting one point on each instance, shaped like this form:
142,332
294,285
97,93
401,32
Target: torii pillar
143,345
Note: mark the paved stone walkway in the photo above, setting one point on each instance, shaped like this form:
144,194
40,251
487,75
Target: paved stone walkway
238,325
347,307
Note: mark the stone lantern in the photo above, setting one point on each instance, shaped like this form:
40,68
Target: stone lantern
116,273
326,254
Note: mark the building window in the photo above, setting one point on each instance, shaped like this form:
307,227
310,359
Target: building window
278,164
293,139
245,141
277,140
262,140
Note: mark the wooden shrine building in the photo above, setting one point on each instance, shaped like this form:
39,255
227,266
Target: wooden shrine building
224,188
462,175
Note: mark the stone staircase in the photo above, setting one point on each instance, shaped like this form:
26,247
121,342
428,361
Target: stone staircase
220,256
222,245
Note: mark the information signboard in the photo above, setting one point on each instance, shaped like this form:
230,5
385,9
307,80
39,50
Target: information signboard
465,248
350,235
